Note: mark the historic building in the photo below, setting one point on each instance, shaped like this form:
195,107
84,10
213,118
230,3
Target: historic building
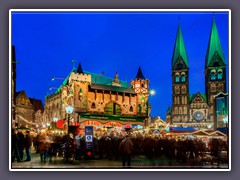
196,110
98,100
28,111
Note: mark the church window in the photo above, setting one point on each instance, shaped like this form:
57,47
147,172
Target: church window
213,87
177,79
213,74
220,74
178,100
184,110
183,100
177,89
183,89
176,110
183,78
180,110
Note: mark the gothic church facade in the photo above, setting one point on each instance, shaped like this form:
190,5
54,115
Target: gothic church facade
196,110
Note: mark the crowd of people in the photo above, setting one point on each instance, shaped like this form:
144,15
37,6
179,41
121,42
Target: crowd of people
117,146
21,143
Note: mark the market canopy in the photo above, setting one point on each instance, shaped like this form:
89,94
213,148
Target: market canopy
23,128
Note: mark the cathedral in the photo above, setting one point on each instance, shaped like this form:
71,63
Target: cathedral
196,110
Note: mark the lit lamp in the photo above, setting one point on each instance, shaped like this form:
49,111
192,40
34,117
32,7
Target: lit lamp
69,110
55,119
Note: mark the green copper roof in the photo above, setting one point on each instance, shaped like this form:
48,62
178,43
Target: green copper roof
103,80
214,45
113,88
179,49
95,78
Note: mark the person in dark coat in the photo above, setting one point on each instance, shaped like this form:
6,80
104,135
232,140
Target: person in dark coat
21,141
28,143
126,149
15,153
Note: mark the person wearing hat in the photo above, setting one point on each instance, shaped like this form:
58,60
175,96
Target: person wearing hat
126,148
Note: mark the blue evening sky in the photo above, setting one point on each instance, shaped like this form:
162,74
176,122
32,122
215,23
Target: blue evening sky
46,44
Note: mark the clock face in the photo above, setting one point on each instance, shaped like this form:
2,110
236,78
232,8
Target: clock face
198,115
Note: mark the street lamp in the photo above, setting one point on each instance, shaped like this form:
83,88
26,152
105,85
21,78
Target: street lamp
52,88
69,110
53,78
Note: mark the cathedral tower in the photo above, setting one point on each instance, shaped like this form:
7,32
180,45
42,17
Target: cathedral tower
180,81
215,68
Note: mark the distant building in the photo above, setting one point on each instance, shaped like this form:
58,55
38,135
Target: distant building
196,110
28,111
99,100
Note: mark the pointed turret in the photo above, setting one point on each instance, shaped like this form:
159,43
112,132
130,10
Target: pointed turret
140,74
214,46
179,49
79,69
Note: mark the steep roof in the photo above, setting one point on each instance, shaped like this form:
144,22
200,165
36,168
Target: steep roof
179,49
37,104
95,78
18,93
112,88
214,45
79,69
140,74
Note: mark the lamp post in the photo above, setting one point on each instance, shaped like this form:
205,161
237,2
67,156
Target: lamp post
59,78
69,110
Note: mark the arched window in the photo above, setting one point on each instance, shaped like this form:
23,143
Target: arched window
177,78
180,110
93,105
183,89
113,108
131,109
183,78
176,110
177,89
213,74
184,110
213,87
220,74
183,100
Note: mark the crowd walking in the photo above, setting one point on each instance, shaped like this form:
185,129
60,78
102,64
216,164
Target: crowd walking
112,146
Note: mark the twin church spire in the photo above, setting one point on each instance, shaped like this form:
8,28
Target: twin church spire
180,52
214,47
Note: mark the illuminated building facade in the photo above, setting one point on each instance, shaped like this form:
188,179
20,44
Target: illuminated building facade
99,100
196,110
